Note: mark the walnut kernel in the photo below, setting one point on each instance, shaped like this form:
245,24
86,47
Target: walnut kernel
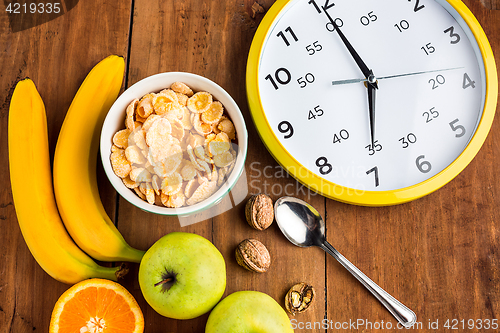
299,298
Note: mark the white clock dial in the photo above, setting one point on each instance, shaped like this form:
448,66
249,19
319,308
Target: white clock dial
430,96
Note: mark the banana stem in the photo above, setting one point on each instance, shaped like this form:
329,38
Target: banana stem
111,273
130,254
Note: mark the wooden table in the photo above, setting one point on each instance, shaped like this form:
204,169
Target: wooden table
439,255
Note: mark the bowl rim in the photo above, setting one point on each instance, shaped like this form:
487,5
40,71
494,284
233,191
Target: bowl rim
117,110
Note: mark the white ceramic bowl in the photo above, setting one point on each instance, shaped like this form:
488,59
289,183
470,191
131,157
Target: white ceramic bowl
115,121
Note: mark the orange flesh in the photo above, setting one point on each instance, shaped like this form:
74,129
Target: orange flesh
102,305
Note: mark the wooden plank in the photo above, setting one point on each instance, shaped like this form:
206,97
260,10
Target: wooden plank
491,4
24,14
57,55
436,254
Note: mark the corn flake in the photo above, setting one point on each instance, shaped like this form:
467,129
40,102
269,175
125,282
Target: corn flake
199,151
156,183
199,102
223,159
121,166
139,193
183,99
222,176
139,120
120,139
201,179
149,121
176,200
215,128
188,171
186,119
170,110
205,167
165,200
195,140
202,192
213,114
170,163
137,138
192,157
129,182
181,88
200,127
150,193
115,148
170,95
177,129
129,120
191,186
220,144
158,135
134,155
145,107
151,169
171,184
140,175
227,127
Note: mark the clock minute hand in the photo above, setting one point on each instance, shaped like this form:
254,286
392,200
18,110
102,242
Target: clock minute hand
349,81
418,73
368,73
361,64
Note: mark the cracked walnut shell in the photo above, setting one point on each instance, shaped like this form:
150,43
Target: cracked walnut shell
253,255
259,211
299,298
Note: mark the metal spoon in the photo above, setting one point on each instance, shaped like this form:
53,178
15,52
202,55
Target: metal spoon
304,227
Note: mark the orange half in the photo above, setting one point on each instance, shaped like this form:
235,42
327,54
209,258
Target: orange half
96,306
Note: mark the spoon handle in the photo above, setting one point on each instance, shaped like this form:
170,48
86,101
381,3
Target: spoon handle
403,314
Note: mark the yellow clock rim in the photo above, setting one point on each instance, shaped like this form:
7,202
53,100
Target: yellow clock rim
360,197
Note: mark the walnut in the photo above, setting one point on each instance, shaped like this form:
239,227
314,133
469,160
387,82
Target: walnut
253,255
299,298
259,211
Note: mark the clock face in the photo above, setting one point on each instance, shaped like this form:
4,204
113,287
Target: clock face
430,97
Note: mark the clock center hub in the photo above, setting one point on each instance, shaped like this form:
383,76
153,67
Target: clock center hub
372,79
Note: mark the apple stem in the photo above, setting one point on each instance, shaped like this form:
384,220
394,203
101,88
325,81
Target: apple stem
167,280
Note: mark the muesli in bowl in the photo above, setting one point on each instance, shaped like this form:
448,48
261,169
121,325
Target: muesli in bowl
176,147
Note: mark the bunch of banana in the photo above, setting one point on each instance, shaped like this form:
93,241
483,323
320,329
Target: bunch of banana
31,182
75,181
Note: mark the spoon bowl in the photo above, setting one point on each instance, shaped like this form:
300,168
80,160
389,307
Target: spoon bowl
299,222
304,227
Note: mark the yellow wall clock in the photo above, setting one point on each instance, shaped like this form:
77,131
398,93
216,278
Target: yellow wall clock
372,102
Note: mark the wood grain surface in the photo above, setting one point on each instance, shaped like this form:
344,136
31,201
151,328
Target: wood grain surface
439,255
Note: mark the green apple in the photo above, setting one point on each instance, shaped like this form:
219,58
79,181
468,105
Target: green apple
248,312
182,276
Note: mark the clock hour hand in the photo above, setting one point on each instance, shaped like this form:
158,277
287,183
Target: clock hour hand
349,81
371,108
361,64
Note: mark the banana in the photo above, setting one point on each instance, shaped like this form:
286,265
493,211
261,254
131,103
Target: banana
31,182
75,159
